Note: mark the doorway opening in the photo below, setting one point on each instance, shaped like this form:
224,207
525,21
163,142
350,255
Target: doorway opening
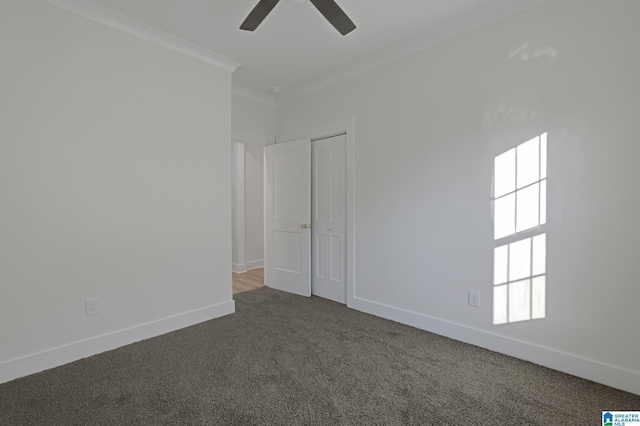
247,217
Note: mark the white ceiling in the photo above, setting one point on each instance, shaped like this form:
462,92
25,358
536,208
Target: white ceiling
297,49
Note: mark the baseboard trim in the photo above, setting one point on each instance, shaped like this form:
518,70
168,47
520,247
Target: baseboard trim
255,264
239,268
40,361
596,371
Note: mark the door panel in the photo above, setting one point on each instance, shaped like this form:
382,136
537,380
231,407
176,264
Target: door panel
336,258
320,255
329,218
287,250
287,187
287,215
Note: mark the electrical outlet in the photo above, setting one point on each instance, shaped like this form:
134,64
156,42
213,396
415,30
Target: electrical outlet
474,298
92,306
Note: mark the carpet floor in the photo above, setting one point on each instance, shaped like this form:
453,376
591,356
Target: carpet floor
288,360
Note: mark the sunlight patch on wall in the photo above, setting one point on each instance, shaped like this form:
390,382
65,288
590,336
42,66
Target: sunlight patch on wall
519,206
519,280
520,188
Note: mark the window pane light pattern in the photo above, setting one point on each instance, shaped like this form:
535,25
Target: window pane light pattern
520,188
520,204
519,287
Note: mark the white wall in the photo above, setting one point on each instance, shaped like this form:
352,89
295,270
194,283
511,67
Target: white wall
238,207
254,213
247,213
253,118
254,126
427,128
114,183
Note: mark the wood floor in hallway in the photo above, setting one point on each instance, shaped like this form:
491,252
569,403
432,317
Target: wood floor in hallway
249,280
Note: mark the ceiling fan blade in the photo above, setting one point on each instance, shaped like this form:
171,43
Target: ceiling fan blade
335,15
257,15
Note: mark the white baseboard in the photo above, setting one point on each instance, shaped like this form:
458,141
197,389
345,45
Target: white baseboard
34,363
254,264
239,268
596,371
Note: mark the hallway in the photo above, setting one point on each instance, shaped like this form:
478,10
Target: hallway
249,280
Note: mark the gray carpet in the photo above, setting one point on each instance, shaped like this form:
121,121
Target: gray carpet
288,360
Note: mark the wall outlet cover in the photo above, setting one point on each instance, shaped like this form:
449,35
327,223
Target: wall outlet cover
92,306
474,298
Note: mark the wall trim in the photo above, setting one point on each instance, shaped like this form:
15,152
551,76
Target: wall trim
119,22
50,358
585,368
252,94
446,31
254,264
239,268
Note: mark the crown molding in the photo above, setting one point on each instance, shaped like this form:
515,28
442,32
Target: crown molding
445,32
119,22
252,94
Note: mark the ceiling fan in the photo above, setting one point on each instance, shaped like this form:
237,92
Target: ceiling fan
329,9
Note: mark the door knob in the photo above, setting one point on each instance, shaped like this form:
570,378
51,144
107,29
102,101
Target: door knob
304,226
329,228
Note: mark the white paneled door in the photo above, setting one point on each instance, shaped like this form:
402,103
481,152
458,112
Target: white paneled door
328,206
287,217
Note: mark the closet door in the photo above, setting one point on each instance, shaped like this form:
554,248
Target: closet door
328,223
